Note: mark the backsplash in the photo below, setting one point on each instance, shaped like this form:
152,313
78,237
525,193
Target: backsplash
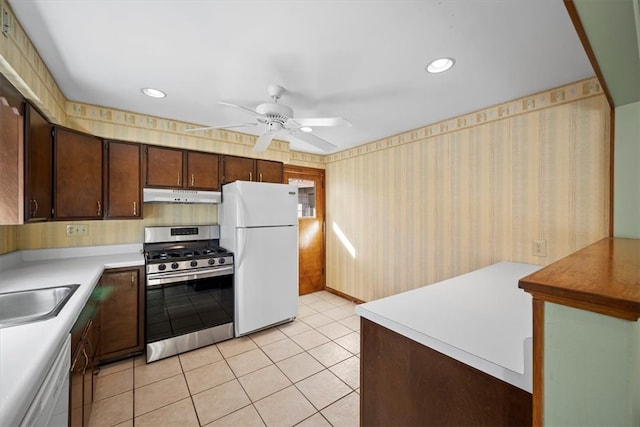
8,238
53,234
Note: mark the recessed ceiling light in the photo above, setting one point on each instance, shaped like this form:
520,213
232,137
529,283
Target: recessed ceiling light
440,64
306,129
154,93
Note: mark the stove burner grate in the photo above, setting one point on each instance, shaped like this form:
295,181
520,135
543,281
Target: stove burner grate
188,253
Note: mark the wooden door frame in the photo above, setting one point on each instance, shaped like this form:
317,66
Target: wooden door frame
313,173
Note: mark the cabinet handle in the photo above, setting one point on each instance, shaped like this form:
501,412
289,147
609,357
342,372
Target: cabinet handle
86,361
133,279
260,176
135,208
250,176
35,207
99,208
193,180
178,179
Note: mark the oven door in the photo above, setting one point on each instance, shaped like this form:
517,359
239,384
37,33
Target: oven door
188,310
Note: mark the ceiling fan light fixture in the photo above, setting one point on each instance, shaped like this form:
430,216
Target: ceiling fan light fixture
154,93
306,129
440,65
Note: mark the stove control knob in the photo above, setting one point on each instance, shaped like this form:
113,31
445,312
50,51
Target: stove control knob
162,267
221,260
174,265
194,263
212,261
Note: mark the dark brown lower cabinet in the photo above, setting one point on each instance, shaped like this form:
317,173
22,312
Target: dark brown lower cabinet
404,383
85,349
122,332
76,389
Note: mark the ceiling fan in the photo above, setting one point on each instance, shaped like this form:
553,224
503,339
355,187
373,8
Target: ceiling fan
278,117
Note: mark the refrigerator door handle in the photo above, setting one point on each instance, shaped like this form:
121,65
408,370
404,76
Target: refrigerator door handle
241,212
241,235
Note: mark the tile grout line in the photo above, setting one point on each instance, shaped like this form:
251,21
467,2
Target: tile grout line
328,307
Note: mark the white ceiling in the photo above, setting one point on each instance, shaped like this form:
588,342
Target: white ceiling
362,60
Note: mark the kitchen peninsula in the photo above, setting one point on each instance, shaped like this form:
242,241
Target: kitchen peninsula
455,352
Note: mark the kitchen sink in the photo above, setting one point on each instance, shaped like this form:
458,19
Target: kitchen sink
33,305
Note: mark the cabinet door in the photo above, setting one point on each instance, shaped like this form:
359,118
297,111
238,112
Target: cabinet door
268,171
202,171
87,374
122,310
76,393
163,167
38,174
238,169
78,175
123,195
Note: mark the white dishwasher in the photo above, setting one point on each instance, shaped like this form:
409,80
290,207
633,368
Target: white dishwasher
50,406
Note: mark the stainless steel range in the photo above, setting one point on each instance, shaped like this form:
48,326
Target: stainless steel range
189,289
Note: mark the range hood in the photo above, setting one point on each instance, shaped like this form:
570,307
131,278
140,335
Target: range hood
168,195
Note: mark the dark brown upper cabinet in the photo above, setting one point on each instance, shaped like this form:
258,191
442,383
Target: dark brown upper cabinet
246,169
123,189
78,160
38,173
175,168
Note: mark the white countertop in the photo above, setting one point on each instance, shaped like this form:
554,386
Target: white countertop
480,318
27,351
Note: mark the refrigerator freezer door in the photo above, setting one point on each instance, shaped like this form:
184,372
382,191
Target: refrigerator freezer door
266,277
257,204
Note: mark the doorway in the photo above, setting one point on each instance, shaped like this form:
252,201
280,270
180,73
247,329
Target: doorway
311,255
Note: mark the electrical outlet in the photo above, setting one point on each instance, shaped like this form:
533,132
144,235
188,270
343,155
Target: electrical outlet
539,248
77,230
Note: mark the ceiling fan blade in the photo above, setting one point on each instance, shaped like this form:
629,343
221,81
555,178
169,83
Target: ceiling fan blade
263,141
238,125
314,140
323,121
241,107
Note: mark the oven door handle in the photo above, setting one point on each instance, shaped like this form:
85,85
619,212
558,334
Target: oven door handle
183,277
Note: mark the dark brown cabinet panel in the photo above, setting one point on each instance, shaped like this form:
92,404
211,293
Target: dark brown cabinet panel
122,313
82,381
269,171
403,382
78,175
76,385
246,169
164,167
202,171
38,174
123,183
238,169
173,168
85,349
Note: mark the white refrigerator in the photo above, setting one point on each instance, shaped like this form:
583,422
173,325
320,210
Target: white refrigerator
259,224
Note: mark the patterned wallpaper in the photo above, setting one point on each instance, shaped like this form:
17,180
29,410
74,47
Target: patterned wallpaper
452,197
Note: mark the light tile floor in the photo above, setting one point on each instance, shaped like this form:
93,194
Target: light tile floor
305,373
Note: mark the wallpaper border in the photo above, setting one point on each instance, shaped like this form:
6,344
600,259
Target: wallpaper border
549,98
